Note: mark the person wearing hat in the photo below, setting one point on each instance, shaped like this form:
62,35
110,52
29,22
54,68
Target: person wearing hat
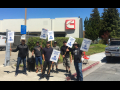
46,54
77,53
23,51
38,55
66,61
56,48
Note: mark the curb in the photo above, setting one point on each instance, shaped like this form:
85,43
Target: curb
75,74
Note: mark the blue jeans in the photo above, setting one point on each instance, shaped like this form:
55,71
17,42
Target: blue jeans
18,63
78,67
39,58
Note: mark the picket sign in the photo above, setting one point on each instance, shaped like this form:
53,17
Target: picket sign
10,38
85,44
70,43
44,34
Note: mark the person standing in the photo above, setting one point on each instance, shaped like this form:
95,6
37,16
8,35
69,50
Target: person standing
38,55
23,51
56,48
77,53
66,61
46,54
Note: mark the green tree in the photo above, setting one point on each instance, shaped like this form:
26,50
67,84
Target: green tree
95,24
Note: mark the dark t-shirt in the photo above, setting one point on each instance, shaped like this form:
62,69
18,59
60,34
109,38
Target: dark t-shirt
63,50
77,54
47,53
37,51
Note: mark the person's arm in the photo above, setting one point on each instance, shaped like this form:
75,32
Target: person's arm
62,52
15,49
43,52
32,52
71,54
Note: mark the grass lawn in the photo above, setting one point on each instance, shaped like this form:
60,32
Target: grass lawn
94,48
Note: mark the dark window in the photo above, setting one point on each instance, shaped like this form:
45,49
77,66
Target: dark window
115,43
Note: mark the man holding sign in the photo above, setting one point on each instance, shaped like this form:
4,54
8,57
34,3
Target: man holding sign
23,51
46,54
77,53
66,61
56,63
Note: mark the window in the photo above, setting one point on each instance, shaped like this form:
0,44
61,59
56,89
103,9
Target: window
114,43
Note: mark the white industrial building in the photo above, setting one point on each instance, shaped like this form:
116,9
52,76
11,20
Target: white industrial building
62,27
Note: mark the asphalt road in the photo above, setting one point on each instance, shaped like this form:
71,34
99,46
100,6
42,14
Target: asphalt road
109,71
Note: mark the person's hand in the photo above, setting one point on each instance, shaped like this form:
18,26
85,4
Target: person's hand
10,49
70,61
63,56
67,50
44,60
52,62
59,58
40,46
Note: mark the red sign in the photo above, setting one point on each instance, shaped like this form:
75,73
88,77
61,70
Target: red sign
70,24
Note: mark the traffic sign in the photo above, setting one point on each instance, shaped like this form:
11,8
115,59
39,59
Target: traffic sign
23,29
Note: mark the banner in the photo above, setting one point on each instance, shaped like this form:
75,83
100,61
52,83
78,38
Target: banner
85,44
10,37
44,34
50,35
55,55
70,42
23,37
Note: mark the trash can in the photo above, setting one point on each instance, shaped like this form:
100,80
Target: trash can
31,64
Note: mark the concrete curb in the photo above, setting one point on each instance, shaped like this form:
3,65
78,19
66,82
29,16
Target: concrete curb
68,78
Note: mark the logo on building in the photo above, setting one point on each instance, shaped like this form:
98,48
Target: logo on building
70,24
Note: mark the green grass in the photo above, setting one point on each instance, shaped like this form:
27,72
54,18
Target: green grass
94,48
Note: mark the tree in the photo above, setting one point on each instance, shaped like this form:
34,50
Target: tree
88,30
95,24
105,37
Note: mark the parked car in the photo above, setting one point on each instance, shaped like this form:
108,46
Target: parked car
2,42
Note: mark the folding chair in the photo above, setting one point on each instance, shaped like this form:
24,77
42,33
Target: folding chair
85,58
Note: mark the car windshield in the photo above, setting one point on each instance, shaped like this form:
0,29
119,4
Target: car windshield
114,43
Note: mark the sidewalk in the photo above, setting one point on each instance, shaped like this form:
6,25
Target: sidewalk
7,73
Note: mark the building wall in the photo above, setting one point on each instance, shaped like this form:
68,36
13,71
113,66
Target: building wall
12,24
1,26
58,25
36,25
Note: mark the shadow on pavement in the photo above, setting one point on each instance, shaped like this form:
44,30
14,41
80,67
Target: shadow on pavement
112,60
19,71
61,70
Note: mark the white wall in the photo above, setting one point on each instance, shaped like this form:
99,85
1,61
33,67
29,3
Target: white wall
0,25
58,25
36,25
12,24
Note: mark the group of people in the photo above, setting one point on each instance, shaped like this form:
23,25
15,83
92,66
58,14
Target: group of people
45,54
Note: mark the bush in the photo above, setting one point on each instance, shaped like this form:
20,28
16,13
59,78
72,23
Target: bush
102,42
32,41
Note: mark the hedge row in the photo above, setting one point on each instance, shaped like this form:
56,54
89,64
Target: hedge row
32,41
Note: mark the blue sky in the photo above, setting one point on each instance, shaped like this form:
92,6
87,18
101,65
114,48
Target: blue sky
19,13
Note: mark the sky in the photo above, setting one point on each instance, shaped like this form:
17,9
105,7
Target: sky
19,13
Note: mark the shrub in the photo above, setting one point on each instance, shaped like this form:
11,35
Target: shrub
32,41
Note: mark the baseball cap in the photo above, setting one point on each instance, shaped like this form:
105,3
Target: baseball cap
55,42
37,42
48,42
64,42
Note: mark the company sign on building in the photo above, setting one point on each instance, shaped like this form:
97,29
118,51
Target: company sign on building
70,24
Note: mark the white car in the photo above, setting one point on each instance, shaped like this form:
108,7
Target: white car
2,42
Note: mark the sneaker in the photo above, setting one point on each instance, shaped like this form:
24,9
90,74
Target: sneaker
56,70
25,74
66,71
16,75
70,72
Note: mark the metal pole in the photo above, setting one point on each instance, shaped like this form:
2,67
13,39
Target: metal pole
25,18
